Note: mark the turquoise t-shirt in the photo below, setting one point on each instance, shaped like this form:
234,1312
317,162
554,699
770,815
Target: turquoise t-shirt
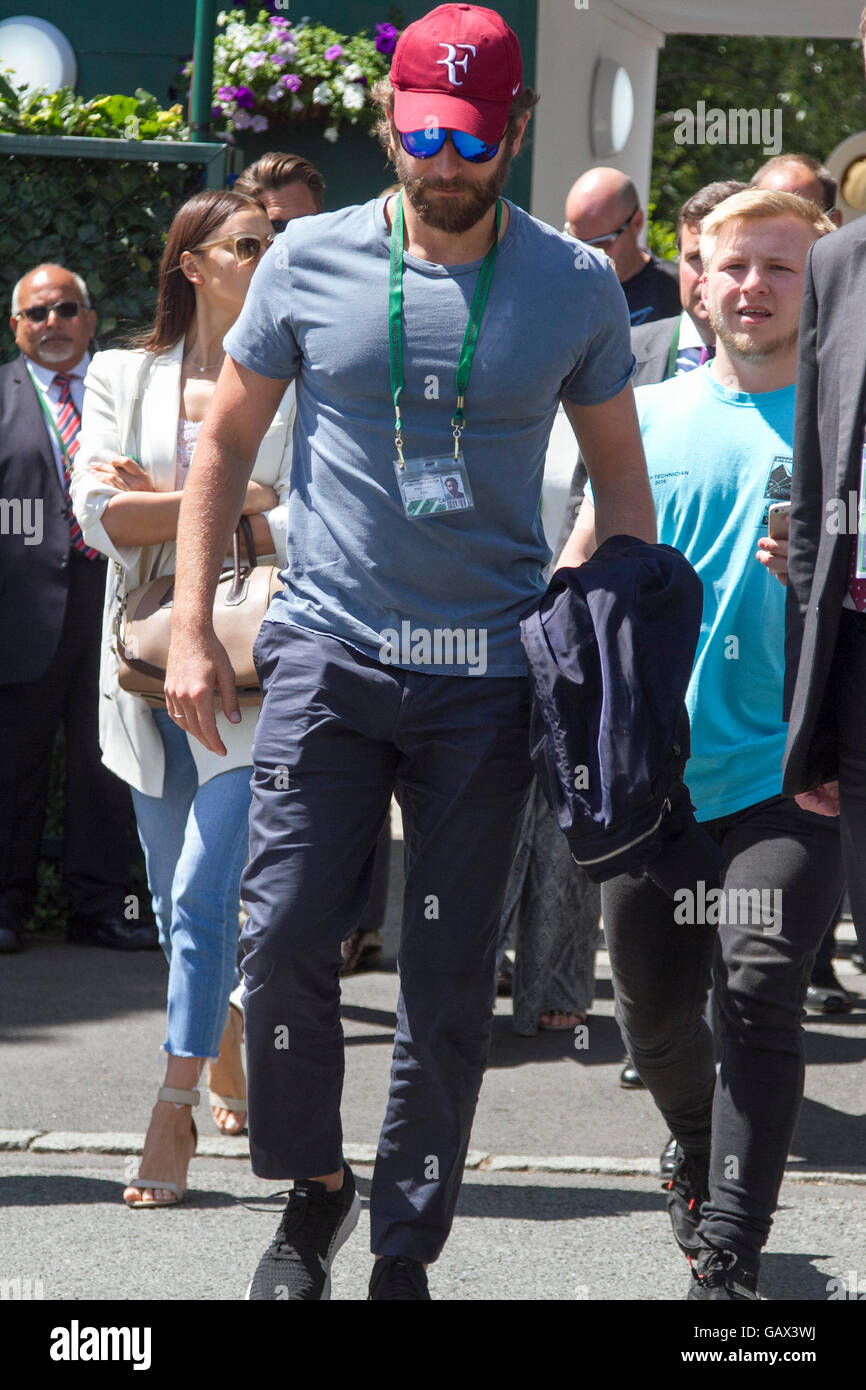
716,460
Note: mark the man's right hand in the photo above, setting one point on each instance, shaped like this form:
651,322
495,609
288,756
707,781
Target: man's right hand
197,665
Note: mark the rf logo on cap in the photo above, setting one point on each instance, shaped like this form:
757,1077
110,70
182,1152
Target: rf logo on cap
452,62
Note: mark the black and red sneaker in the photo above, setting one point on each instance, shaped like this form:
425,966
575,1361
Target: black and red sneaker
687,1189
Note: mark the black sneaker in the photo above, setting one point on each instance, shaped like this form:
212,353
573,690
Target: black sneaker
398,1278
297,1263
720,1275
687,1188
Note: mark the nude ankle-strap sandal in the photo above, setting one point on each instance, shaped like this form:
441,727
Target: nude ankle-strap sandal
177,1097
237,1104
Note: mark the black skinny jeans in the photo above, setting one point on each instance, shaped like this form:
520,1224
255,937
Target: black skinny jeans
742,1120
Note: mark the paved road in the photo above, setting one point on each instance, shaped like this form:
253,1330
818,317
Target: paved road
81,1030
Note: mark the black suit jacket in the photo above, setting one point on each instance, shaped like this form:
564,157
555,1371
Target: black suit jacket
34,578
828,442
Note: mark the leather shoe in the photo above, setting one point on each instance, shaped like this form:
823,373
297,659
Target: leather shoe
10,940
826,994
114,932
629,1077
668,1158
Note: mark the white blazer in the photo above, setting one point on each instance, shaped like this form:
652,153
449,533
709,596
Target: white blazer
132,407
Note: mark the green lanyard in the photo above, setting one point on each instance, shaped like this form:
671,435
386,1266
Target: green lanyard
49,416
395,326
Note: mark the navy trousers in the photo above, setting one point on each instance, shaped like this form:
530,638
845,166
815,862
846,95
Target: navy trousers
338,733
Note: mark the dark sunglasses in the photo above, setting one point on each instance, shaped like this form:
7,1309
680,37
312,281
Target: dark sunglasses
64,308
423,144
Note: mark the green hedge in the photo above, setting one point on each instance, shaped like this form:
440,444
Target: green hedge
105,219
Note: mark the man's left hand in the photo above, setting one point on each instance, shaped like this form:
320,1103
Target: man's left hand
773,555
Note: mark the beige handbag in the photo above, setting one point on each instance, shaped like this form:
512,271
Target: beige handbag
142,625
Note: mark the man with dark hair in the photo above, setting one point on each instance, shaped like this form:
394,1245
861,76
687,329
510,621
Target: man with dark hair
603,209
376,312
286,185
800,173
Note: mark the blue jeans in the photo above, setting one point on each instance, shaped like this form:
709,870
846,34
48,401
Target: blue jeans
195,841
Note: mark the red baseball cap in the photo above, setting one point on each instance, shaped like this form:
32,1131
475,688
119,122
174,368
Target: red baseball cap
458,68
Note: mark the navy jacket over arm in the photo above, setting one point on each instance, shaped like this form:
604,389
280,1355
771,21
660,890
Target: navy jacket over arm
610,647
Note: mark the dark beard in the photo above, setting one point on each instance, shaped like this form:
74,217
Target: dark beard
452,215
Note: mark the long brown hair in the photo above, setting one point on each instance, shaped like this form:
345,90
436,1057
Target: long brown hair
194,222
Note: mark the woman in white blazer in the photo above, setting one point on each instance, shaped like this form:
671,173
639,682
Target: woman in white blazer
142,412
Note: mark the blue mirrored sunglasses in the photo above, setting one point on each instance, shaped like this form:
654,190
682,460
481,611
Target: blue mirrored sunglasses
423,144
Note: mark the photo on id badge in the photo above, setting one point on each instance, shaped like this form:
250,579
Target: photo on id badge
431,486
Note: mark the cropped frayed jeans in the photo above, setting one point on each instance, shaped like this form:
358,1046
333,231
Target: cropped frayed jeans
195,841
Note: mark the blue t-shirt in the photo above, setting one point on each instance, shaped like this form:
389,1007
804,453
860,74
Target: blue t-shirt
556,324
716,460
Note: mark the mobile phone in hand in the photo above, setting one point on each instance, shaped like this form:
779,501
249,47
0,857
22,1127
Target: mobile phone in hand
778,521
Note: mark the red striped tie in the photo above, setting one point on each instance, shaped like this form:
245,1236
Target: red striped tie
69,426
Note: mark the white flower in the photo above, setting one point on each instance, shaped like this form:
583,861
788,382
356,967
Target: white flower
332,134
233,67
259,123
353,97
242,120
338,85
353,73
220,53
297,105
275,93
287,49
322,95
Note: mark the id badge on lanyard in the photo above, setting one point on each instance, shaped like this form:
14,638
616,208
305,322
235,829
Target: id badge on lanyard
436,484
431,486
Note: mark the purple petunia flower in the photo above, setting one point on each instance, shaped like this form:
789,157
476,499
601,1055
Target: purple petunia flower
386,38
216,112
244,97
334,52
227,93
291,81
255,60
278,20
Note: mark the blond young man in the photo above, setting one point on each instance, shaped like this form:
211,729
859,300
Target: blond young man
719,446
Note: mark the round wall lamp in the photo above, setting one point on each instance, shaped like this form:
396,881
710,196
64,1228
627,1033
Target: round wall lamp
39,54
612,108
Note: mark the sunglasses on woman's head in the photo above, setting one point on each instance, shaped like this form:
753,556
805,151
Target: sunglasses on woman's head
423,144
65,308
246,246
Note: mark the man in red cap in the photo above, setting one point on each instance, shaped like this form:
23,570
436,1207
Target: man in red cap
432,335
